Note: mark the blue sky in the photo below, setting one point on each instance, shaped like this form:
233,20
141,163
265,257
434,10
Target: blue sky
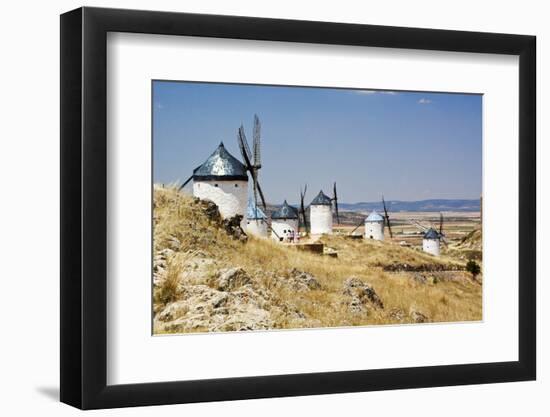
405,145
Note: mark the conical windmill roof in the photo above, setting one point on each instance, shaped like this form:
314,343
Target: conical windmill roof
254,212
285,212
374,217
431,233
221,165
321,200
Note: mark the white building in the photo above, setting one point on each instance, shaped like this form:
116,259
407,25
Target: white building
223,179
374,226
284,223
320,214
256,221
431,242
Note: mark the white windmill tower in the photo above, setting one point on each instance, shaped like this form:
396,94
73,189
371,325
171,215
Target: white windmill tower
222,179
320,212
375,223
374,226
256,221
431,240
284,222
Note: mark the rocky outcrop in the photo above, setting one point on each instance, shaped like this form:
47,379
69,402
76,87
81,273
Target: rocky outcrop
207,309
302,281
232,227
229,300
229,279
414,316
361,295
418,317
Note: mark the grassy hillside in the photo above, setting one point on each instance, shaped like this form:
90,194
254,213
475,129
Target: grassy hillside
205,279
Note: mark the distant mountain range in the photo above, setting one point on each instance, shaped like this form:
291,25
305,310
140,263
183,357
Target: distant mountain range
422,205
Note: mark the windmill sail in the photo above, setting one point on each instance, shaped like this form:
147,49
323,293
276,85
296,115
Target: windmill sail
335,199
387,217
441,235
252,160
185,183
303,208
256,143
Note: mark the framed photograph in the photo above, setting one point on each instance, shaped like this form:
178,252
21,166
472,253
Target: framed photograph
257,208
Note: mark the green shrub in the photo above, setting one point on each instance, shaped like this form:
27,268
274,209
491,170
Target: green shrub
473,268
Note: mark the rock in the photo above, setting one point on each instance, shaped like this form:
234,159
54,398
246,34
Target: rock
233,228
159,265
196,268
361,293
418,317
210,209
356,306
174,243
230,279
301,281
396,314
207,309
419,278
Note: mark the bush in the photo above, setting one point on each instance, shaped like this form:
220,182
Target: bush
473,268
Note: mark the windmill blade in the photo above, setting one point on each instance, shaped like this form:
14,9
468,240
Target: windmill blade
417,224
389,226
185,183
303,208
387,217
357,227
441,223
256,143
260,192
243,146
245,152
335,198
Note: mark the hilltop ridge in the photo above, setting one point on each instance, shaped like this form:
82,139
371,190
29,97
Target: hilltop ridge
207,279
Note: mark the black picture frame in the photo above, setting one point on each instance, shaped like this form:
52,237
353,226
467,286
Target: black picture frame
84,207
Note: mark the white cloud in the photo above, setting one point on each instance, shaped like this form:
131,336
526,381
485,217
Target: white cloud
371,92
364,92
424,101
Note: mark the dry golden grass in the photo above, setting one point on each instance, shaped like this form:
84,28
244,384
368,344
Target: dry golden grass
181,225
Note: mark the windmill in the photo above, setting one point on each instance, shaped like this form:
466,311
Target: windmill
426,229
374,224
431,238
303,207
321,212
252,160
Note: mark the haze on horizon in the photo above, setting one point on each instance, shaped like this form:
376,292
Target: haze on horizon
406,146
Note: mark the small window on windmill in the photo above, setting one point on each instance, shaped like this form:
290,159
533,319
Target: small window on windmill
236,185
215,185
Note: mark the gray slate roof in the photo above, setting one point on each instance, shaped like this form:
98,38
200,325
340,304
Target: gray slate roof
321,200
221,165
285,212
431,233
